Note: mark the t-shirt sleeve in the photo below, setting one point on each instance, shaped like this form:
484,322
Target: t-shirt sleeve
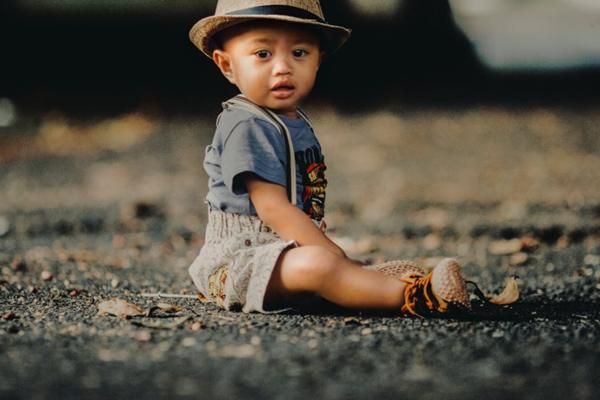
253,146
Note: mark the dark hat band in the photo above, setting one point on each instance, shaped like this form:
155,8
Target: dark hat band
288,11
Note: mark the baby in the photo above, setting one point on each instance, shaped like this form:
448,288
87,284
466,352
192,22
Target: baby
266,245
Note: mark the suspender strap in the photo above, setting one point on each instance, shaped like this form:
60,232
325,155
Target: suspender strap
243,103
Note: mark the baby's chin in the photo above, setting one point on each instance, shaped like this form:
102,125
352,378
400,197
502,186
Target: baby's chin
280,106
288,109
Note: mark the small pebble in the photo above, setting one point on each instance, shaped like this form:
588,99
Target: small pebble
47,276
591,259
73,293
366,331
196,326
255,341
189,342
497,334
114,283
143,336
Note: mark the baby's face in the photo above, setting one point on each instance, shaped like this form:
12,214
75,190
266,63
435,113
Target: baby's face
274,65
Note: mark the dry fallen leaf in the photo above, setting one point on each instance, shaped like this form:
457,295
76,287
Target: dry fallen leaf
166,308
203,298
169,308
7,316
119,308
519,258
529,243
163,324
353,321
509,295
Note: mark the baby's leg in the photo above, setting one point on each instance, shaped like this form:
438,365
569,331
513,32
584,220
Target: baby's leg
314,269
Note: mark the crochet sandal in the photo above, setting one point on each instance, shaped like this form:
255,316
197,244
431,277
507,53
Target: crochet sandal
397,269
440,291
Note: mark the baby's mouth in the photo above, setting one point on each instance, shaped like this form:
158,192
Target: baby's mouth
283,90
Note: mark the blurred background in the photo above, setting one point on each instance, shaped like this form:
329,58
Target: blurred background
466,128
461,100
114,54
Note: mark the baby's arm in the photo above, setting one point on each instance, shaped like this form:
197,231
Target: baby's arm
271,203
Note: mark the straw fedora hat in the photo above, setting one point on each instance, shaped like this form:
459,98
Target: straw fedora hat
233,12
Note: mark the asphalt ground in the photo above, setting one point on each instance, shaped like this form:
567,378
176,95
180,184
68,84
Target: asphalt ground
112,208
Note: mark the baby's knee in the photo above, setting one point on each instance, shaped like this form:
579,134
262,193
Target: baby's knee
311,265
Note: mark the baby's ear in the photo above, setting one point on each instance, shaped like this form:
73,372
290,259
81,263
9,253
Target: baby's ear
322,56
223,61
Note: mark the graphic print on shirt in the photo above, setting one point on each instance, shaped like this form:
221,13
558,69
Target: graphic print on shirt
311,165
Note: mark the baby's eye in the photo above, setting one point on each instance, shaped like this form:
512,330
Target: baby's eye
263,53
299,52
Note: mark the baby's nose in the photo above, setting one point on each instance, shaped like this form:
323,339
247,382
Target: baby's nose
282,66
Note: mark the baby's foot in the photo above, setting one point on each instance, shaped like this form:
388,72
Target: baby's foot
440,291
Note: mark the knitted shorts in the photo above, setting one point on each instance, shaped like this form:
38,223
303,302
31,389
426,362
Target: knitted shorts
235,264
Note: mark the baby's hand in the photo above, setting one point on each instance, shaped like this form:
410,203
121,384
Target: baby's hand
323,226
373,261
361,263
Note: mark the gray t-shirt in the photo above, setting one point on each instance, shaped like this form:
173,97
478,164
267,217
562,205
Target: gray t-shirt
244,142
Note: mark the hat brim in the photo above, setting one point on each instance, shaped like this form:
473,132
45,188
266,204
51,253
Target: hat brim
204,30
